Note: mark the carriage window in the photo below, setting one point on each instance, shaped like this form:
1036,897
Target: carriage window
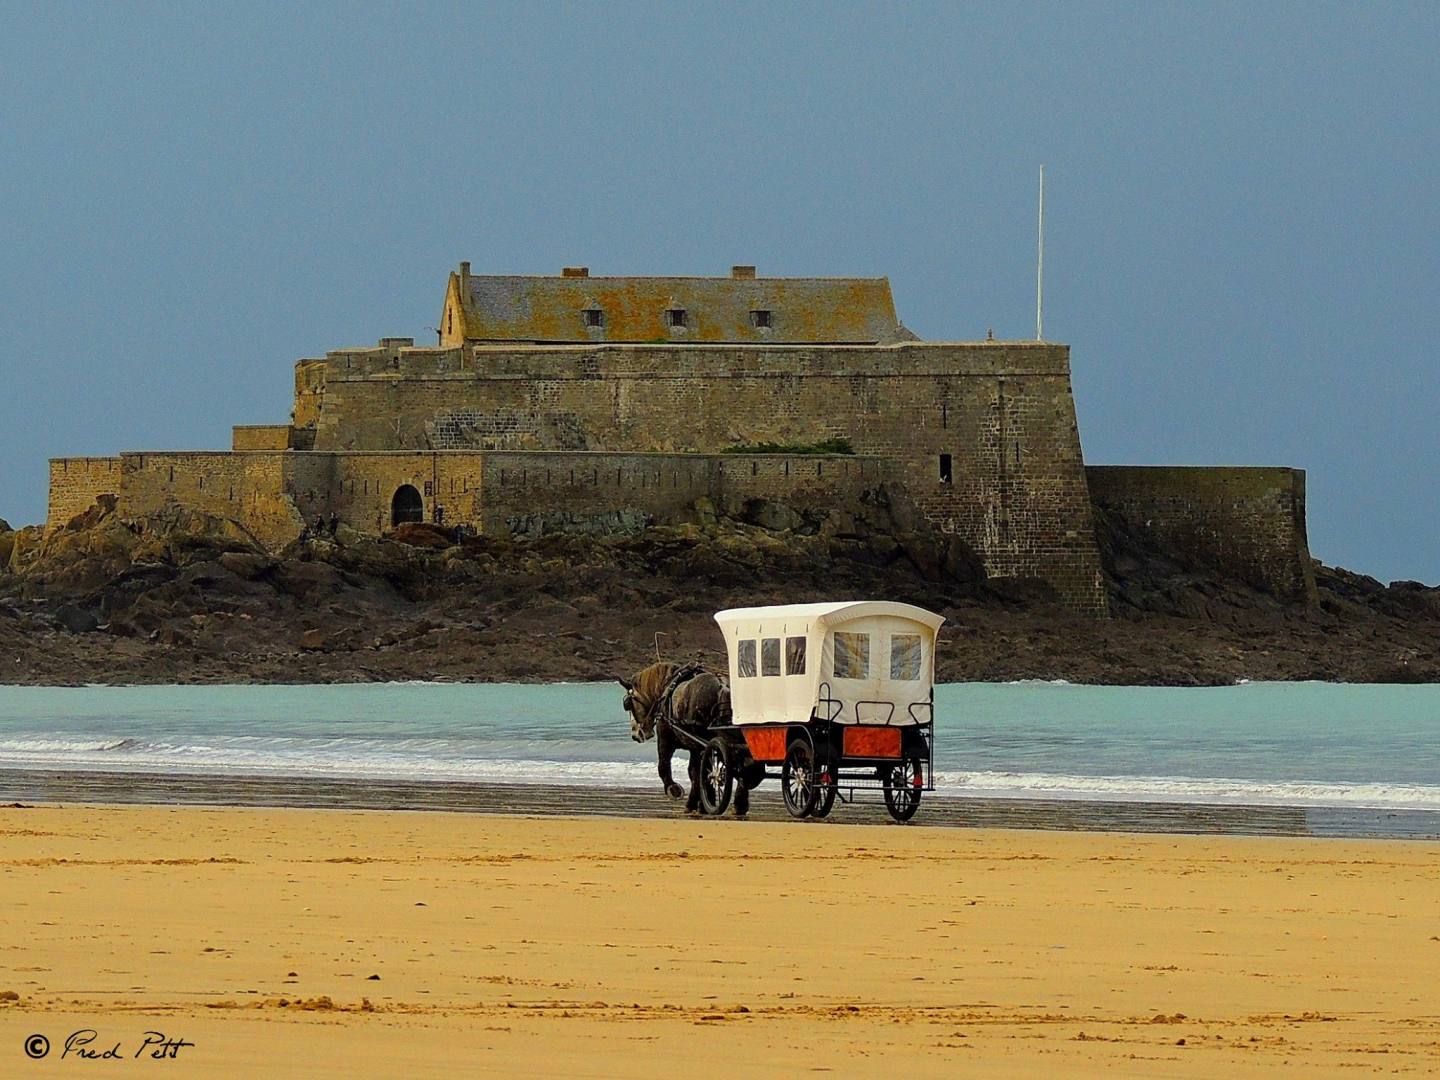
794,656
745,659
770,656
852,655
905,657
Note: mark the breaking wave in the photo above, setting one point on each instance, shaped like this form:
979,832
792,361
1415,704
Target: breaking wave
45,746
1181,789
440,759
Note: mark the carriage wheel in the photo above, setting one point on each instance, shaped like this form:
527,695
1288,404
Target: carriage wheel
717,780
903,784
797,779
829,787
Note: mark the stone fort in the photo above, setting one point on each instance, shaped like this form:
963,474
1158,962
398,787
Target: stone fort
587,403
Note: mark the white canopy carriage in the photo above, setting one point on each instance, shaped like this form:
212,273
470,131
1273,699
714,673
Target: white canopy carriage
839,696
867,662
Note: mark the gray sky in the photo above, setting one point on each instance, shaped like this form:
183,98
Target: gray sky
1242,229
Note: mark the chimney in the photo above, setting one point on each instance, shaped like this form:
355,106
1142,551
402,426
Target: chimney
742,272
575,271
464,270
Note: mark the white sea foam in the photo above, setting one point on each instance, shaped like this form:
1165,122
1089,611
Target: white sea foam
1181,789
43,746
440,759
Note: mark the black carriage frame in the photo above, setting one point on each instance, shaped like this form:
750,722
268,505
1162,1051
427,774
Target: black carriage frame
839,777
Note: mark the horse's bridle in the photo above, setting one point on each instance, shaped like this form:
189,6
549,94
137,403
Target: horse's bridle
661,705
645,725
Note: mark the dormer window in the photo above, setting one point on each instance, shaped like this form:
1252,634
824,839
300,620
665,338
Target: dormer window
594,317
676,317
761,318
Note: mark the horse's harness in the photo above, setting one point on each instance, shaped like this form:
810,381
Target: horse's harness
666,704
664,709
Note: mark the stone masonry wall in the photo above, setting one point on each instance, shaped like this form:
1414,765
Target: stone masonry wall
1246,522
276,494
1002,414
260,437
359,488
532,493
248,488
76,482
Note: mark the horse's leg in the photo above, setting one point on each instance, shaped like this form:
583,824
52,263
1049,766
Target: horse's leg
665,747
742,798
692,804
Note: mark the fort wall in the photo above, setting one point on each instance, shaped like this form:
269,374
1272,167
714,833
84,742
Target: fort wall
534,493
1246,522
261,437
248,488
277,494
982,436
359,488
75,483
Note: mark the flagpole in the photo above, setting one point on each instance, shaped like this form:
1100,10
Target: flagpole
1040,263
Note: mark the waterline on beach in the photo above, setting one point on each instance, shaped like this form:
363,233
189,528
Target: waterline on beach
1306,744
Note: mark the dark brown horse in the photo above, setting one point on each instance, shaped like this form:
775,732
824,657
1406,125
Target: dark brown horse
664,697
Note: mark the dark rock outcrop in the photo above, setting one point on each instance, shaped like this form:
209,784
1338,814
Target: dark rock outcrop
182,596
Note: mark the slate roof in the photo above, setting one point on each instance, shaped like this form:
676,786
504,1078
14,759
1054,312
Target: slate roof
716,309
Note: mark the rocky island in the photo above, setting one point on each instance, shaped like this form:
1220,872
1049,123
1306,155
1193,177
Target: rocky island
182,596
581,463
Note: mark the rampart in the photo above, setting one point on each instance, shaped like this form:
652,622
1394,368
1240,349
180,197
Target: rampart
1247,522
533,493
76,482
261,437
982,436
277,494
249,488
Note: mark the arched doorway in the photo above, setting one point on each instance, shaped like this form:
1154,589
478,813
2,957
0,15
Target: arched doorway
406,505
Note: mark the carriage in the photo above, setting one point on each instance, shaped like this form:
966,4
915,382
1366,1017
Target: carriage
832,699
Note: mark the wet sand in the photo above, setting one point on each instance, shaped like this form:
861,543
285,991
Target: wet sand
42,785
552,946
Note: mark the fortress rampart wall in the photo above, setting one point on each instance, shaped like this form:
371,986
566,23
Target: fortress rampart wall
359,487
249,488
261,437
1247,522
982,436
276,494
76,482
531,493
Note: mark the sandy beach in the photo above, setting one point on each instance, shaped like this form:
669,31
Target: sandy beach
353,943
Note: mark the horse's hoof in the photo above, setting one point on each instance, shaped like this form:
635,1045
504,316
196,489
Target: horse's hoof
675,791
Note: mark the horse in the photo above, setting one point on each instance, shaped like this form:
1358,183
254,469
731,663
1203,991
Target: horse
665,697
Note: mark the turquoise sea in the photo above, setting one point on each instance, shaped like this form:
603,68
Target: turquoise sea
1295,744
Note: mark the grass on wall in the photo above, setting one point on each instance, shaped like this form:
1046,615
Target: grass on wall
824,446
